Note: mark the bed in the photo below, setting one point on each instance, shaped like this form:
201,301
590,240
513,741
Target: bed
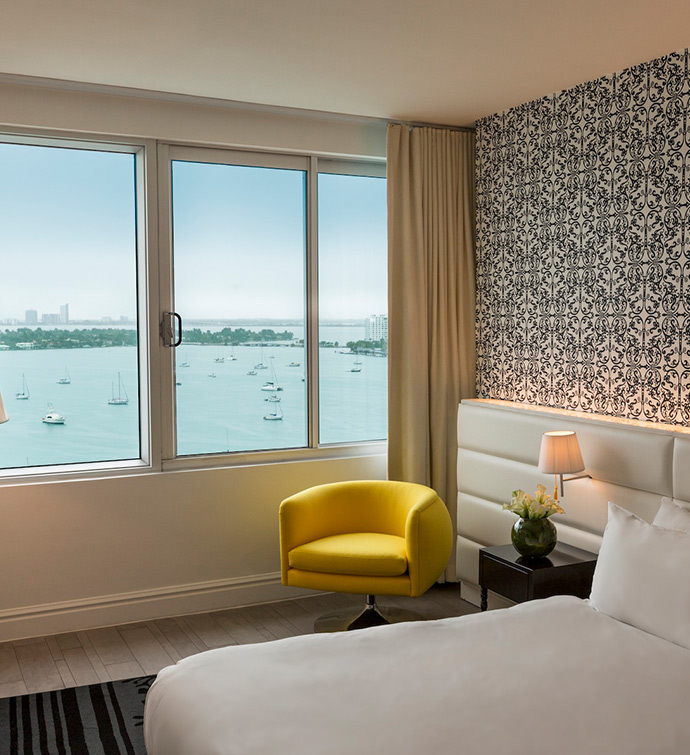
562,675
510,681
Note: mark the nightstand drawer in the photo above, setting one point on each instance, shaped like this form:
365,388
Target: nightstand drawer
503,579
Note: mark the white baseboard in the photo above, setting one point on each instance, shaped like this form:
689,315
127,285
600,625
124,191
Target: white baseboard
143,605
471,593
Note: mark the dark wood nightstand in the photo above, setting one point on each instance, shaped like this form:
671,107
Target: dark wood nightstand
565,571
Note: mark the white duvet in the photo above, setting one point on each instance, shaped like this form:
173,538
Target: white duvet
551,676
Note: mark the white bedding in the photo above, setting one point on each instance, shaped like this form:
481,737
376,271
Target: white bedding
551,676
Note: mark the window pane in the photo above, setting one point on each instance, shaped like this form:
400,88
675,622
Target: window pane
239,260
353,320
68,312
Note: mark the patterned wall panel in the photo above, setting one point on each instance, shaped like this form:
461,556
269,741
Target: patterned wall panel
583,255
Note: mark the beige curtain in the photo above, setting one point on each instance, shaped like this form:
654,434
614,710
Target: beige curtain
431,289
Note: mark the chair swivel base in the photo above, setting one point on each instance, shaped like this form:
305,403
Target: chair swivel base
346,619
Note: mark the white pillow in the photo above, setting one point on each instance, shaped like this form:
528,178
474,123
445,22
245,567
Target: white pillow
642,576
672,516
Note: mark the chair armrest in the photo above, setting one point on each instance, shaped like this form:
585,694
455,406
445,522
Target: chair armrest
429,543
304,517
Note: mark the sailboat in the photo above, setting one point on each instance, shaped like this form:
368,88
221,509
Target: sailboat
24,393
120,399
66,380
262,364
273,399
232,357
186,361
272,385
276,415
220,359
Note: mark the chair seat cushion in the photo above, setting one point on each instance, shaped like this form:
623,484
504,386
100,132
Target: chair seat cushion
361,553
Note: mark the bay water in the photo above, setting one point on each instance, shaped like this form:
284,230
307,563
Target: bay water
216,414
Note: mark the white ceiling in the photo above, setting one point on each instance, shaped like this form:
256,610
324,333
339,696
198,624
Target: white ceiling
436,61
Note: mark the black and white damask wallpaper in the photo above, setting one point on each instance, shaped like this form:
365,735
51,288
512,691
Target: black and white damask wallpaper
583,247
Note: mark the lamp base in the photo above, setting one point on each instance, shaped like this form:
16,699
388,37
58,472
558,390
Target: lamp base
345,619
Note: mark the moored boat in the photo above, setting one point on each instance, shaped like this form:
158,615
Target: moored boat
23,395
122,399
272,385
276,415
53,418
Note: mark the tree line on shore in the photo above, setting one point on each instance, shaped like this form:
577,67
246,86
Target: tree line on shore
91,338
378,348
234,337
86,338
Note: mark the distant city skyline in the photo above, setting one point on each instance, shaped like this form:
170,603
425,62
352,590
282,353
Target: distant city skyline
36,316
232,321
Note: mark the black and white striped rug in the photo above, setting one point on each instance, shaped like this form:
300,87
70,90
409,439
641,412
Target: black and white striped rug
102,719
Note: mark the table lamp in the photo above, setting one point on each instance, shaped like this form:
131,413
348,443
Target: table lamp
560,454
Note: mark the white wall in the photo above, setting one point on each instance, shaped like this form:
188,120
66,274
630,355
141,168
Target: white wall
183,121
85,553
82,553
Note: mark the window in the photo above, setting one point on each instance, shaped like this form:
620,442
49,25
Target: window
245,234
276,264
238,258
69,357
353,320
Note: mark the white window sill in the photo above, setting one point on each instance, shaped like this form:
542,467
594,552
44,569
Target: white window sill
95,470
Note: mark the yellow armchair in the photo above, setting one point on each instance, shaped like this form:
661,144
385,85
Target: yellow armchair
369,537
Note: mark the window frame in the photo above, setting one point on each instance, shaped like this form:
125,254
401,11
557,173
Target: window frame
313,164
167,153
340,167
155,281
146,298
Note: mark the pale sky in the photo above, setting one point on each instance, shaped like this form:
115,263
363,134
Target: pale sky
67,235
353,253
239,241
66,232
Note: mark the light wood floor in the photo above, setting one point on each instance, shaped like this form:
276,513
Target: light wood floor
41,664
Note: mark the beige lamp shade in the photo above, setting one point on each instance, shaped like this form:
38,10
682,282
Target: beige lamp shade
560,453
3,413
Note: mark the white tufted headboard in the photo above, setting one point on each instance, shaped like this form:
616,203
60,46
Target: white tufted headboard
632,463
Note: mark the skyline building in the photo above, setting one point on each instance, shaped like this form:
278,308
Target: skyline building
376,328
31,317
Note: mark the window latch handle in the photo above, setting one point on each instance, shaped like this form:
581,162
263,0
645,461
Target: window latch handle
167,329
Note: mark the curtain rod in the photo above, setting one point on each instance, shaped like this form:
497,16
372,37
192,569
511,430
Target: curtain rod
421,124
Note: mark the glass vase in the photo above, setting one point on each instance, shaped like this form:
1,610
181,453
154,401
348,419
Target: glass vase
534,538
